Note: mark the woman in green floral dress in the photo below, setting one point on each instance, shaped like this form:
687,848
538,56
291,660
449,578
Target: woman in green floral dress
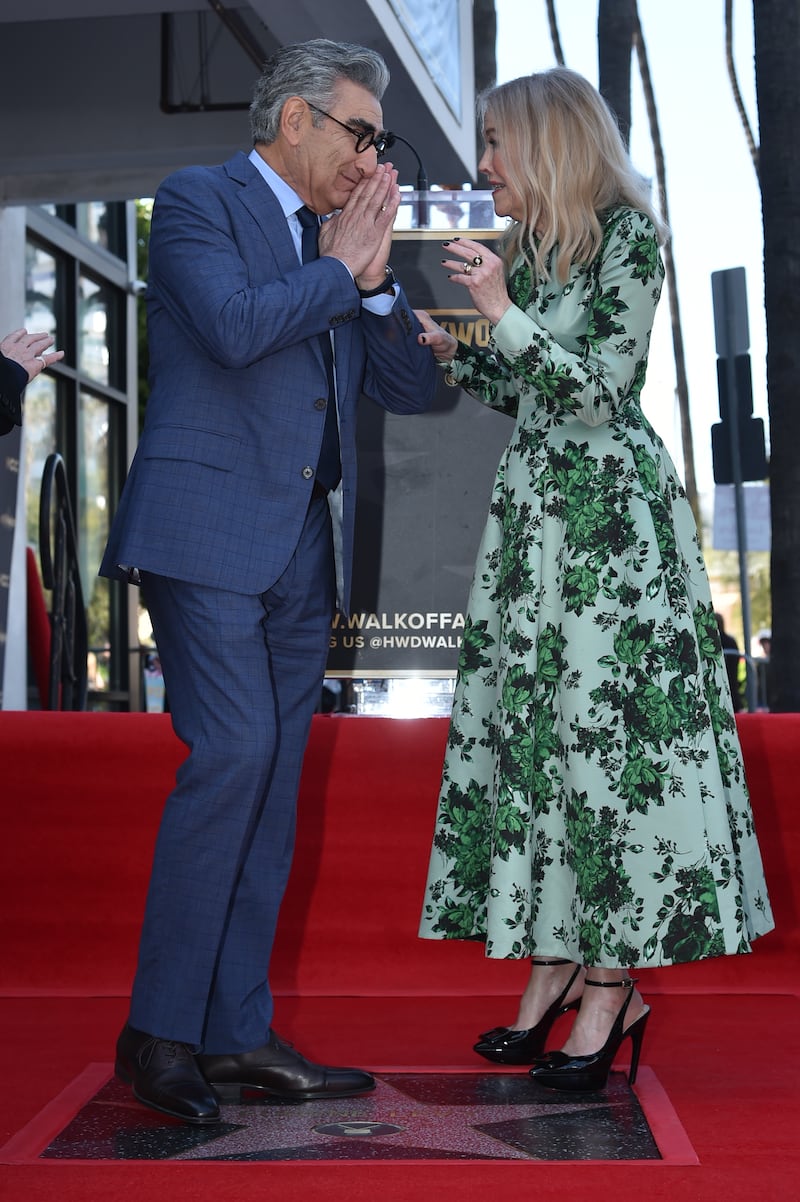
593,814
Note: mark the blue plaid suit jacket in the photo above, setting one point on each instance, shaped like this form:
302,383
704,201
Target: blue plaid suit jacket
221,479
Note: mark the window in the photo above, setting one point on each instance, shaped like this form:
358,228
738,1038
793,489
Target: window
81,408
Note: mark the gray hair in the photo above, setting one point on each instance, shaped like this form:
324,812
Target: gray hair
312,70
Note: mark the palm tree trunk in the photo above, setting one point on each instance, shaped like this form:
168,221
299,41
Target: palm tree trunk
777,55
555,37
737,95
681,381
615,20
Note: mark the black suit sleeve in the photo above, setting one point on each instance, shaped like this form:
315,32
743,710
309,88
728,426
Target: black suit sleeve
13,378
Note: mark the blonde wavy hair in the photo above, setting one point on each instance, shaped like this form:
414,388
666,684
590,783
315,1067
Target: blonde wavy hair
565,158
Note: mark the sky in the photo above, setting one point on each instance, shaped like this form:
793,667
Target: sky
712,192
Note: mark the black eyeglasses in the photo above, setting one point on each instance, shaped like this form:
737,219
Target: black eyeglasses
364,135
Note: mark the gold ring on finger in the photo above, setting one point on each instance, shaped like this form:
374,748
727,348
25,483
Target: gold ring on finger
467,269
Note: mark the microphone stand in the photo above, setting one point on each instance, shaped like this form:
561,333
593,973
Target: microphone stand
422,185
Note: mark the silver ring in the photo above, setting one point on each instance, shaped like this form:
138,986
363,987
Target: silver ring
383,208
43,360
477,261
467,269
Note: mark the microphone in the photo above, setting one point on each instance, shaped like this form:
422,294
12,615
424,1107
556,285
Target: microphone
422,183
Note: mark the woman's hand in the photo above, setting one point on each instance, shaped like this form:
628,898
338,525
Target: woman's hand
443,345
482,272
30,351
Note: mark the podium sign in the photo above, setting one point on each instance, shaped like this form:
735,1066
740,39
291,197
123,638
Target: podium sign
424,484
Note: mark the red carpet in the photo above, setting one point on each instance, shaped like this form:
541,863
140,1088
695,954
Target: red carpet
82,796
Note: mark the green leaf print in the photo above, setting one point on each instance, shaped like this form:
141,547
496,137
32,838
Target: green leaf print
691,913
705,624
649,714
680,654
595,845
545,747
457,920
516,759
647,469
549,659
542,792
475,641
665,532
509,830
545,737
592,502
556,386
572,472
520,285
688,938
517,689
587,524
602,326
642,782
633,640
463,832
580,588
590,942
643,258
514,577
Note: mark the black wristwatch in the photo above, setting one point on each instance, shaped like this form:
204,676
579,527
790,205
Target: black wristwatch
386,286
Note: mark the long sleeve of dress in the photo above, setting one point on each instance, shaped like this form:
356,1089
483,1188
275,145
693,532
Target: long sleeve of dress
602,318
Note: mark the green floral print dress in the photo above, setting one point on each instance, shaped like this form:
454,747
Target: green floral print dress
593,802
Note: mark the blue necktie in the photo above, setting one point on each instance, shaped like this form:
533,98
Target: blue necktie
329,467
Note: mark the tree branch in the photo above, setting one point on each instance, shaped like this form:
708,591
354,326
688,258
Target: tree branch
737,95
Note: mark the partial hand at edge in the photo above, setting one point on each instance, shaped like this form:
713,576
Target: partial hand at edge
443,344
25,349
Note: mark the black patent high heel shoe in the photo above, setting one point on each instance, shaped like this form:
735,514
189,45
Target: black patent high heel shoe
505,1045
590,1073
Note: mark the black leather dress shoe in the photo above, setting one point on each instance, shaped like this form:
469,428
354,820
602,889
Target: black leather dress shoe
164,1076
278,1071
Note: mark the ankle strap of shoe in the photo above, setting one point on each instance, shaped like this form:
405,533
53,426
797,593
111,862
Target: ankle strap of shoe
627,983
549,963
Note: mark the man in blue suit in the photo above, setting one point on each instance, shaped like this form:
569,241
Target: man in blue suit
264,327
